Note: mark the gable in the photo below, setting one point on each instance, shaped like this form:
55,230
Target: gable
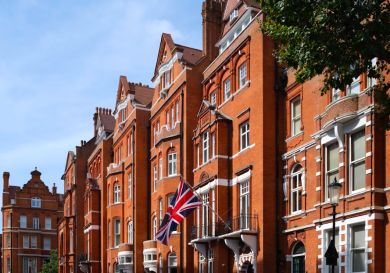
204,107
69,160
123,89
164,51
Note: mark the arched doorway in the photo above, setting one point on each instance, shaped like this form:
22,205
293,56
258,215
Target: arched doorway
299,255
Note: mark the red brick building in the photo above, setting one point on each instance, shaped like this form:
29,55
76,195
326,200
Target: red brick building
258,148
30,214
340,136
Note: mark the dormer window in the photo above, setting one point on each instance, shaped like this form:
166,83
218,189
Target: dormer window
165,54
233,14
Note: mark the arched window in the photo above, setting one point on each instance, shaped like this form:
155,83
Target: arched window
172,262
296,188
160,263
201,263
117,194
299,253
36,202
130,232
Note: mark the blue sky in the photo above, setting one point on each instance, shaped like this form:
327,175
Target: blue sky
61,59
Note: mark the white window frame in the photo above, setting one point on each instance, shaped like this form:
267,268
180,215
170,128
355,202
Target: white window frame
244,144
332,171
206,152
197,155
35,202
227,88
168,119
47,223
371,81
335,94
233,14
160,202
25,242
154,178
352,249
211,261
47,243
297,118
244,198
129,193
130,232
201,260
205,215
296,175
154,227
117,232
34,242
177,111
172,256
355,162
355,84
154,134
213,98
243,75
328,236
117,194
123,115
172,164
128,146
160,263
213,144
173,116
109,195
160,168
23,223
35,222
166,82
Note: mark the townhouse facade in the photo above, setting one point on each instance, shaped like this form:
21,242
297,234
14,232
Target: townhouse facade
259,150
30,214
336,136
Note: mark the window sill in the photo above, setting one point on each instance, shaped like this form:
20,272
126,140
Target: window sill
294,136
114,204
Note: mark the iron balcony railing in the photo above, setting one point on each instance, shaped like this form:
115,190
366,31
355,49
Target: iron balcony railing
240,222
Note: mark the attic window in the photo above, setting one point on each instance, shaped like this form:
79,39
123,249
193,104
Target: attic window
233,14
165,54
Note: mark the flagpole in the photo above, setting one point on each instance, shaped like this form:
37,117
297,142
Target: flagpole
200,198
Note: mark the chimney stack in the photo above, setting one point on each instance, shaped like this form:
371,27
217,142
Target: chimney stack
212,15
54,191
5,181
95,116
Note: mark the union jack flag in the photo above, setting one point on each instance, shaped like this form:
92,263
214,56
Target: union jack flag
183,203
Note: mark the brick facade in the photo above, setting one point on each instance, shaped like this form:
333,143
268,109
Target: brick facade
30,214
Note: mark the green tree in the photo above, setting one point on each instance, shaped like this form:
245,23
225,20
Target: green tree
334,38
52,265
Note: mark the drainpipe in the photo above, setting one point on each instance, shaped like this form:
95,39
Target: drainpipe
11,241
132,179
229,179
277,159
149,188
181,172
75,222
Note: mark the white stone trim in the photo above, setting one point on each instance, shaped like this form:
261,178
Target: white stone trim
91,227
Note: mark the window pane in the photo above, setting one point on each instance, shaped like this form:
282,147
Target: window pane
359,175
296,107
358,145
358,261
332,176
333,156
297,125
358,235
294,202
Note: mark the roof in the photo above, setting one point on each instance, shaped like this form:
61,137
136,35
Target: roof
143,93
108,122
242,6
190,55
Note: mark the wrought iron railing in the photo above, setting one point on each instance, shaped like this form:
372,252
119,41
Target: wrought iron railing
240,222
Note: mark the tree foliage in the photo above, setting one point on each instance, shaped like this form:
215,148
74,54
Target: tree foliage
52,265
332,37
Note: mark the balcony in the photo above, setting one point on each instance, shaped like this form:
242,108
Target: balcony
150,255
245,223
237,231
125,257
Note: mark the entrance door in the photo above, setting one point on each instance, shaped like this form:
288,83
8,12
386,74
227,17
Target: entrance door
299,264
299,253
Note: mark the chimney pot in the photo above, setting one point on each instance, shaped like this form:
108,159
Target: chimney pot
5,181
109,111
